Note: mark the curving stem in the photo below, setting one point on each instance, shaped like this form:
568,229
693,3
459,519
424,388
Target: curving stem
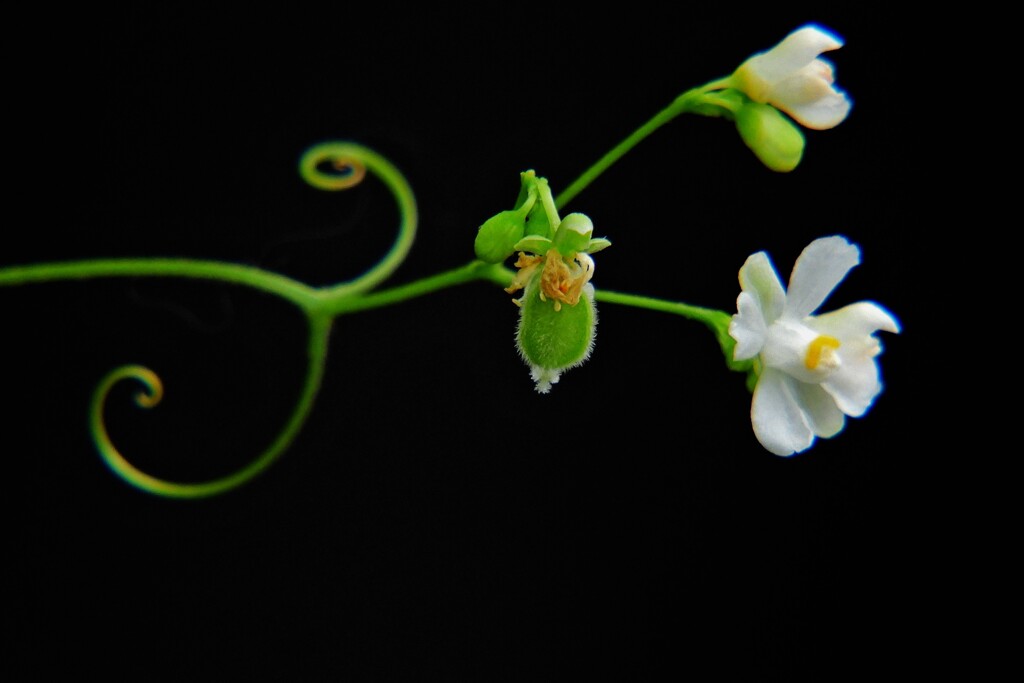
150,396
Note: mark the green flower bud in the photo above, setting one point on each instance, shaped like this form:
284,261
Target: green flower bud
573,234
774,138
552,340
497,237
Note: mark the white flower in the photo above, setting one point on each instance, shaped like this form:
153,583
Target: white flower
792,77
814,370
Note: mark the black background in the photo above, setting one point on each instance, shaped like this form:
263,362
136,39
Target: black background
436,518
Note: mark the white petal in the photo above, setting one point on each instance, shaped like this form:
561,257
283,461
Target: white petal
824,416
820,267
856,320
758,277
856,385
809,97
780,423
747,327
806,86
827,112
796,50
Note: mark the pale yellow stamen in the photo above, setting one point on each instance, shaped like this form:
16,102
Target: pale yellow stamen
821,346
526,264
561,279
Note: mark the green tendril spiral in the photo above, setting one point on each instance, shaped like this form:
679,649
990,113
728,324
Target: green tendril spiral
150,397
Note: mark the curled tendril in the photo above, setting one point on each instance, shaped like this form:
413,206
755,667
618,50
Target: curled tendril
344,171
150,397
327,166
348,163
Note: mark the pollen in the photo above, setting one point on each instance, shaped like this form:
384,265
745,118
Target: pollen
562,279
819,350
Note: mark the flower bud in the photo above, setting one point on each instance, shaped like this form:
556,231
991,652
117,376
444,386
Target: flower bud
794,78
497,237
775,139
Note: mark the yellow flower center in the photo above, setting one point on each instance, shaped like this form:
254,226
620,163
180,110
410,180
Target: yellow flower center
820,349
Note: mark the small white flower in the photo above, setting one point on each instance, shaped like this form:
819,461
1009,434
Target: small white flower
792,77
814,370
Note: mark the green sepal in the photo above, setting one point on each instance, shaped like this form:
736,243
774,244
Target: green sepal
538,221
596,245
535,244
751,380
527,181
774,138
718,322
716,103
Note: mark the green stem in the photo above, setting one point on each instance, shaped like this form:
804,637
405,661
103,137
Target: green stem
334,303
251,276
717,321
689,101
709,316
